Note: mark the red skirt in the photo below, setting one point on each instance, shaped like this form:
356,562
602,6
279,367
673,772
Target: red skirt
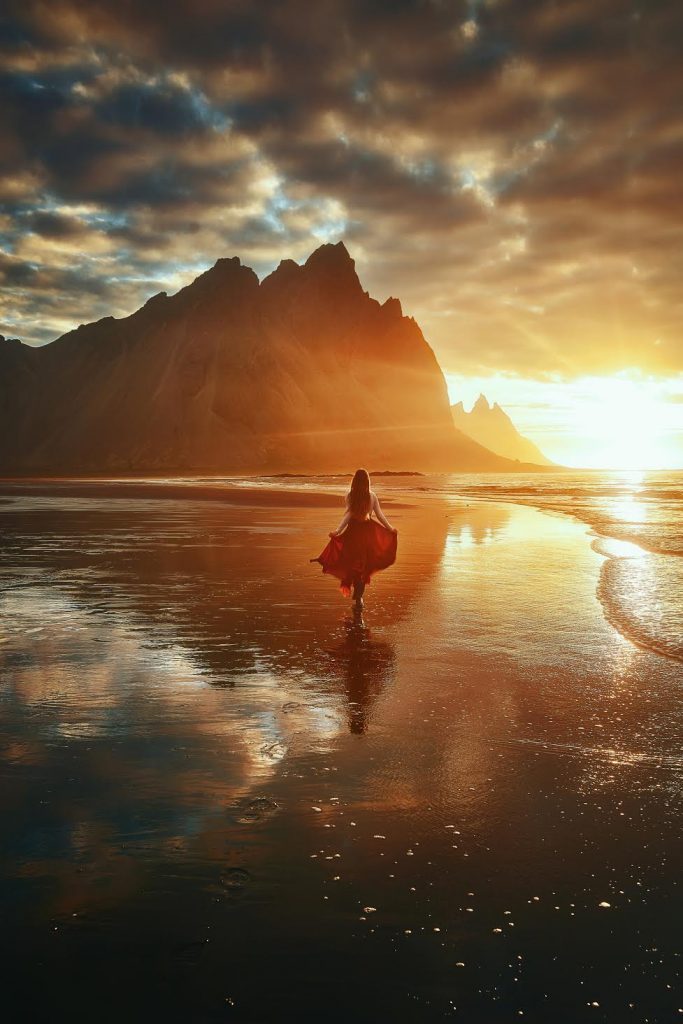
362,549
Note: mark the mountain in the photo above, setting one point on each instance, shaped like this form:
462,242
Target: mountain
302,372
491,426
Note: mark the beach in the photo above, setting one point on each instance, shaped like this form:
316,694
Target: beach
224,799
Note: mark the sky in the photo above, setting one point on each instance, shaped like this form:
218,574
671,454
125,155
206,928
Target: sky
510,169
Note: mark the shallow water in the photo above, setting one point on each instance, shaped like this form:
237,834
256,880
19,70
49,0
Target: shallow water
225,799
638,517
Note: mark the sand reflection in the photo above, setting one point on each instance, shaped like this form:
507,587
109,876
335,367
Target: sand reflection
168,662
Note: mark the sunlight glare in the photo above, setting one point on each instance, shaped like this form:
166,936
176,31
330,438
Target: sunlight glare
626,421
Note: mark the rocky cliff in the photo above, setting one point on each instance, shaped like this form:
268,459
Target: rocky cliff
302,372
491,426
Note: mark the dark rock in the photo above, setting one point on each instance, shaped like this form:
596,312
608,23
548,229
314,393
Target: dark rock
303,372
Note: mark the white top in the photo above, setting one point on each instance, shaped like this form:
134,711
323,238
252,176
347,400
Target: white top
374,507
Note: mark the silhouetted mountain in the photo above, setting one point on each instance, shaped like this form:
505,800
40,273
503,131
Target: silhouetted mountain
491,426
303,372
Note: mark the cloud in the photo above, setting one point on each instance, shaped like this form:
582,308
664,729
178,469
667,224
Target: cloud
510,171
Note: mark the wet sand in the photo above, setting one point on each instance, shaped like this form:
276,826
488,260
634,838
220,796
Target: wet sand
224,491
224,799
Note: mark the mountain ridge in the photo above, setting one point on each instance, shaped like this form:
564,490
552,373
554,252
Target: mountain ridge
491,426
301,371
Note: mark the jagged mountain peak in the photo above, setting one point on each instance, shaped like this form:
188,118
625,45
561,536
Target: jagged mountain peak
284,275
329,271
226,264
392,306
303,372
330,254
156,299
491,426
286,267
227,273
333,264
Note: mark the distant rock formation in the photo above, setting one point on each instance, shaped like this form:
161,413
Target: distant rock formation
491,426
303,372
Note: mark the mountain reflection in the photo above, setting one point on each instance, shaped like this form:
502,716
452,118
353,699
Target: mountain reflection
480,526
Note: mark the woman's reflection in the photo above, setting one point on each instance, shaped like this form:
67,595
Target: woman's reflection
366,666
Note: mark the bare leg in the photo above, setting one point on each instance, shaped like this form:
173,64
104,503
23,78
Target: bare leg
358,590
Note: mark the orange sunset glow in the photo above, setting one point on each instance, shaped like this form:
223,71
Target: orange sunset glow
512,176
625,421
341,511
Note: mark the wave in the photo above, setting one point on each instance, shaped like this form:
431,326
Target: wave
639,532
644,494
640,596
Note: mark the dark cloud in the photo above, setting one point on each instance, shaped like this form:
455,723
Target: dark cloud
29,109
510,170
54,283
168,184
159,109
54,225
17,272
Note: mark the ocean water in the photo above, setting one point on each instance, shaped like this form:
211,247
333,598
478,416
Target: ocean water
637,519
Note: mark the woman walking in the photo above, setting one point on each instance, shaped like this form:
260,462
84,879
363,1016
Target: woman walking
359,546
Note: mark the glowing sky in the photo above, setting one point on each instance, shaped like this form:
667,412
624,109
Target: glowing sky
510,170
628,420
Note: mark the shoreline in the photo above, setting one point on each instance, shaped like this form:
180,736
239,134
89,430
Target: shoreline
605,532
277,495
223,492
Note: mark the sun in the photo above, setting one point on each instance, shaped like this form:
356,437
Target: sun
625,423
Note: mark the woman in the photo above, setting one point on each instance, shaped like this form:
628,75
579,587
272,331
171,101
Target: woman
359,546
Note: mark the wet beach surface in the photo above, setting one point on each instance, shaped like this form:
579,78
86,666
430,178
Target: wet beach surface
224,799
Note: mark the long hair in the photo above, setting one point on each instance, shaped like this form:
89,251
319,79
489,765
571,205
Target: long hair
359,495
